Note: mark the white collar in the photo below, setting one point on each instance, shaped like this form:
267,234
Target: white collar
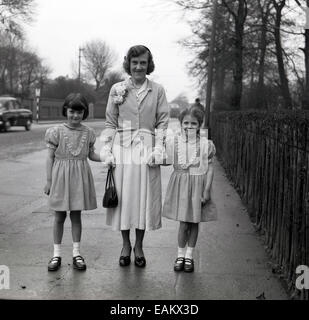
142,88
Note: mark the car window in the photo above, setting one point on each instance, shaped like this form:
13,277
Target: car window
10,105
3,105
17,104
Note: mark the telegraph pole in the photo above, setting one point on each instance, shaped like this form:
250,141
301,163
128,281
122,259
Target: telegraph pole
210,67
79,65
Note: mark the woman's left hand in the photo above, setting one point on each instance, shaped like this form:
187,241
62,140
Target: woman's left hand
151,161
155,159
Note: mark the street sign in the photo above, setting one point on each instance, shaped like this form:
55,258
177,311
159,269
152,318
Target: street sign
37,92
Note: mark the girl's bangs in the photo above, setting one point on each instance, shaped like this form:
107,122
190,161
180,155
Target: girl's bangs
77,106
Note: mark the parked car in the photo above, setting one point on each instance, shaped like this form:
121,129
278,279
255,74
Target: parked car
12,113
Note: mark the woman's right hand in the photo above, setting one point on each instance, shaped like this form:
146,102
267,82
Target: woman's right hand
47,188
110,160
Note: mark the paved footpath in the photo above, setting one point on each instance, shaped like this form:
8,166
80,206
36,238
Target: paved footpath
230,259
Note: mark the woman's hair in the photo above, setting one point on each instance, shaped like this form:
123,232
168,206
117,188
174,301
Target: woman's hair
134,52
193,112
75,101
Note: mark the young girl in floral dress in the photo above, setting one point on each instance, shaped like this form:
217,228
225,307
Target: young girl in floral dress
187,198
70,183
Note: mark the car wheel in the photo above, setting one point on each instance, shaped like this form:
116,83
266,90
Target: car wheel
7,125
28,125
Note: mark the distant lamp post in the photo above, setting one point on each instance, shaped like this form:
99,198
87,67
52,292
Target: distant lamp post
37,100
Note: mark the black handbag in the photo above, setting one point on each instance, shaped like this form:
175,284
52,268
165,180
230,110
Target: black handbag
110,199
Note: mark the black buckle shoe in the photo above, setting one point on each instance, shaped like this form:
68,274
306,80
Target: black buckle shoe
179,264
79,263
139,261
54,264
189,265
125,260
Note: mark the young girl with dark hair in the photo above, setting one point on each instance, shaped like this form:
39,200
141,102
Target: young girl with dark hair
70,183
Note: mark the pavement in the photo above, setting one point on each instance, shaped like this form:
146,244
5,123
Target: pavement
230,260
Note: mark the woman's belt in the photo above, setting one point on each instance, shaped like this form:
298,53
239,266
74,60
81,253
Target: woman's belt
126,137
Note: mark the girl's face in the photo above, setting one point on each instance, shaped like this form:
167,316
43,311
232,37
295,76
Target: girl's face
189,126
75,117
138,67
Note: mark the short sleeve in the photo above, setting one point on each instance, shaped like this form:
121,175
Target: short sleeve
52,138
211,151
92,139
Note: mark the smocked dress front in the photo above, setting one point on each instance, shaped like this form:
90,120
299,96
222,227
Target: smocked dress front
72,186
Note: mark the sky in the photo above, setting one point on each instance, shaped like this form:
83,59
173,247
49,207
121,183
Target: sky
62,26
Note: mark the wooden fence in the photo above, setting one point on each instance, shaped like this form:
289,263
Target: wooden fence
266,155
49,109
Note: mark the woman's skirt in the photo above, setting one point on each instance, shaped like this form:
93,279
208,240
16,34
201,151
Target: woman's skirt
138,188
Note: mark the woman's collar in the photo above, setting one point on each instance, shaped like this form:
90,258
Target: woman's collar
130,85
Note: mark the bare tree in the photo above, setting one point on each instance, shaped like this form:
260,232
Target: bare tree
99,59
15,12
284,82
238,10
305,102
182,101
264,13
199,43
21,69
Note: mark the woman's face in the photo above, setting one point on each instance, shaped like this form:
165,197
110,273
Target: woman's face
75,117
138,67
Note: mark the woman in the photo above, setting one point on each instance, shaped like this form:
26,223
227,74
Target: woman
136,120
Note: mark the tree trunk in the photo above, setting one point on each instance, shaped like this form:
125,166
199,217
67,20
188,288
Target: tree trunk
238,68
220,65
261,99
284,84
305,102
219,87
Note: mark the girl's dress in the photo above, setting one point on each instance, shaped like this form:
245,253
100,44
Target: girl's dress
131,125
72,185
187,182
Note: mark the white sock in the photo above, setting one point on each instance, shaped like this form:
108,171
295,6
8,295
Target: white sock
189,253
181,252
57,250
76,247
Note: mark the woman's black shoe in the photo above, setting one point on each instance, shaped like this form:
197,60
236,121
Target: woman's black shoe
139,261
125,260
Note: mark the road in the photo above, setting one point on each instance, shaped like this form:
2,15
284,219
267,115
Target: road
17,141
